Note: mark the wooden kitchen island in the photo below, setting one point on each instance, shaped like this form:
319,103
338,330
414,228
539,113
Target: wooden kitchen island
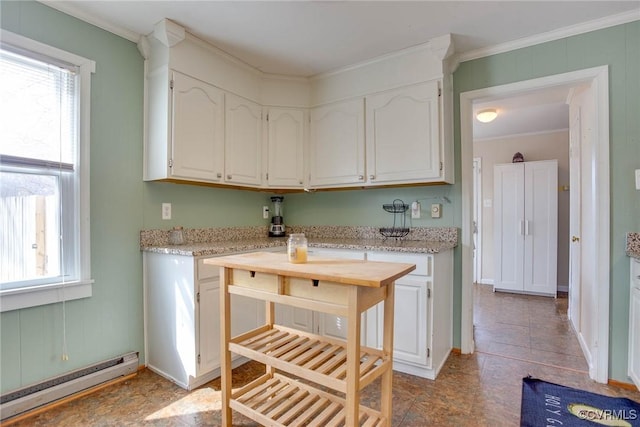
341,287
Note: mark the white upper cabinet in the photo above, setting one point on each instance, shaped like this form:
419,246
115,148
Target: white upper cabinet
403,135
337,145
285,148
206,121
243,141
197,140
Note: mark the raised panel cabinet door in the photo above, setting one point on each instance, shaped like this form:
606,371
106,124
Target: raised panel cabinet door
403,135
337,144
508,226
285,141
197,148
243,141
410,321
209,326
245,314
294,317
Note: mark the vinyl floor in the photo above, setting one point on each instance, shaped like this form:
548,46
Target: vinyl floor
516,336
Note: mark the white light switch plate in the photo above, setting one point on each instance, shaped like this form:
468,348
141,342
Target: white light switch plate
637,179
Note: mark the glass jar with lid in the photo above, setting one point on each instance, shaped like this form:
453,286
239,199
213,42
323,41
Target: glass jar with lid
297,248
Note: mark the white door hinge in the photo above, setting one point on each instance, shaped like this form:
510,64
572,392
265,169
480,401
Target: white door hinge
441,166
428,352
428,293
170,84
439,91
198,297
170,163
198,359
267,116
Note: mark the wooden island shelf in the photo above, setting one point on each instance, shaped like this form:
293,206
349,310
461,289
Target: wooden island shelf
342,287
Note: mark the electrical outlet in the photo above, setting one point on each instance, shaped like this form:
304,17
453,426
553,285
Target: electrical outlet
265,212
436,210
166,211
415,210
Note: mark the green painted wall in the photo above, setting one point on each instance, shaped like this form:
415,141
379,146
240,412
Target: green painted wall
110,322
619,48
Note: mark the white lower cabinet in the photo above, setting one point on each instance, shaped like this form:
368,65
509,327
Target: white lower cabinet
182,315
319,323
634,324
423,321
182,318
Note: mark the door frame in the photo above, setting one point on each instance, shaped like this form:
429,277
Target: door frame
599,78
477,197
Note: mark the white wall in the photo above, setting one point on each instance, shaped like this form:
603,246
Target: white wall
545,146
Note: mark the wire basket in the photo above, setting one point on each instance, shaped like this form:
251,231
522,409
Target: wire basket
399,229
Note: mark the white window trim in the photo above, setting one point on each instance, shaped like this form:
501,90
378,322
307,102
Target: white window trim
13,299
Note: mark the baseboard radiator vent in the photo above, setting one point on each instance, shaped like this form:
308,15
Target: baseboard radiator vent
48,391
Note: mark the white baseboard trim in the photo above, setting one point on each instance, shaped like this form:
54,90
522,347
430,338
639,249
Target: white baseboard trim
486,282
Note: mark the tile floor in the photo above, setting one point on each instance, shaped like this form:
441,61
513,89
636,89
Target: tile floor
516,336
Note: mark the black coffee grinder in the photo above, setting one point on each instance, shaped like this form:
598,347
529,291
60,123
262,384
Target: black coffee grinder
276,228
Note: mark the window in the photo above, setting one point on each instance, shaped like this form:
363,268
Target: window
44,174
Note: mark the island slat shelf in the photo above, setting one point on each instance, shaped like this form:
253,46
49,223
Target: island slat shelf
312,357
343,287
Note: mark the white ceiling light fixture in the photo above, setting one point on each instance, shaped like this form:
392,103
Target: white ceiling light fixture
487,115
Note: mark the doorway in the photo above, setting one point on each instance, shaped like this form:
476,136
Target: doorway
597,201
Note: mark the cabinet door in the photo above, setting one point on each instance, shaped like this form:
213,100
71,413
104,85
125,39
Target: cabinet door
209,326
329,324
197,130
294,317
634,336
243,141
403,135
337,144
508,226
410,326
285,148
246,314
541,227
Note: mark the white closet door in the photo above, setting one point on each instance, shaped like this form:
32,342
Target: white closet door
508,226
541,227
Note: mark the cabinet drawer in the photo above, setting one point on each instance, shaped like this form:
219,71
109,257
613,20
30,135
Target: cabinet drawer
206,271
255,280
635,272
321,291
423,262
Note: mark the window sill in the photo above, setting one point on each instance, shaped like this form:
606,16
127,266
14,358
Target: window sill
14,299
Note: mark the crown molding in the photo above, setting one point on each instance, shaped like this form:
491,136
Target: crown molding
70,9
573,30
519,135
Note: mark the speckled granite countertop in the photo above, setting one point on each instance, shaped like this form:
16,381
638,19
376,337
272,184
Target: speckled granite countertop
633,245
218,241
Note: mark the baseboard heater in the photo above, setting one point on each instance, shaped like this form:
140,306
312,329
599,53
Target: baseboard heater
48,391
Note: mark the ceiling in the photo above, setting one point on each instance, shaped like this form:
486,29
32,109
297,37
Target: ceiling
306,38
